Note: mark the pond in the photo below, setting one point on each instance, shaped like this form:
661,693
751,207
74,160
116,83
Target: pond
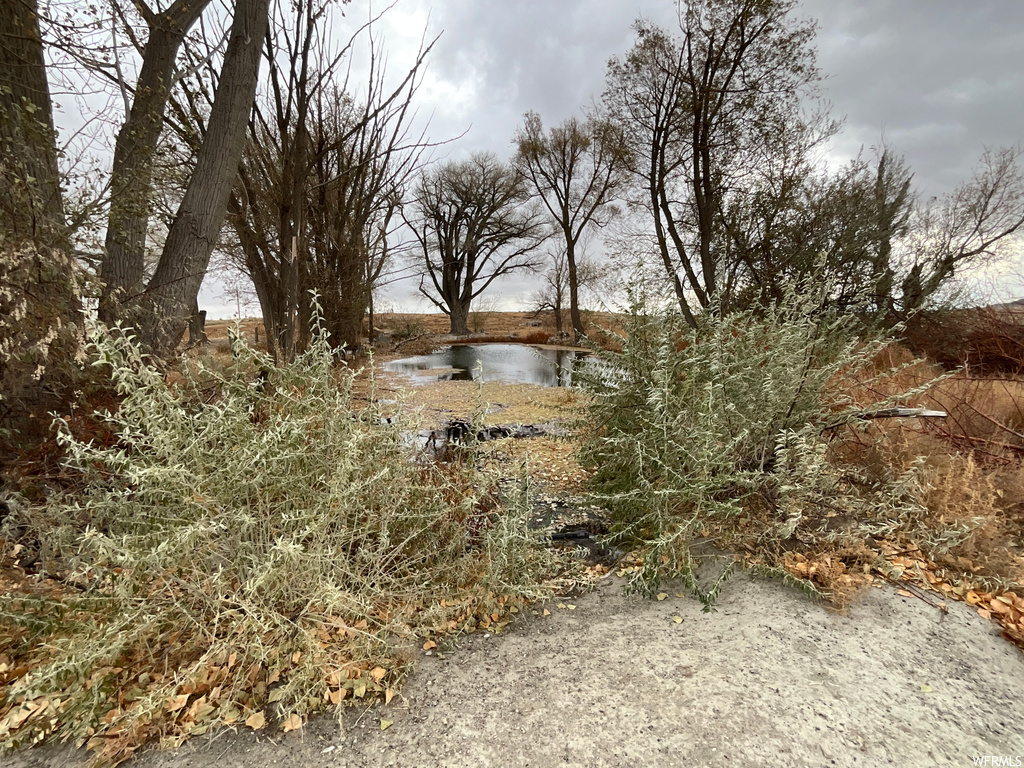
517,363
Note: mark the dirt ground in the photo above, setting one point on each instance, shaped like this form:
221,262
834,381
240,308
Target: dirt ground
770,679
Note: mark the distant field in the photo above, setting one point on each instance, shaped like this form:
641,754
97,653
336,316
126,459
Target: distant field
523,326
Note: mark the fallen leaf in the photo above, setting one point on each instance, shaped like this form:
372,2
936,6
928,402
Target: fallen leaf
389,694
984,614
231,659
377,673
904,593
677,619
562,606
385,724
177,702
429,644
292,723
547,612
998,606
925,688
571,607
335,697
662,595
256,720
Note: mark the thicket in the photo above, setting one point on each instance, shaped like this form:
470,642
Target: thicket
737,433
246,540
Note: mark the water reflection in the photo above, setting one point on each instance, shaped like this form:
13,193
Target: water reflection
519,363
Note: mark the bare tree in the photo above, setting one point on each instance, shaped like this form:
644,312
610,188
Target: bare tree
170,293
703,112
966,228
131,182
323,174
576,168
472,225
554,291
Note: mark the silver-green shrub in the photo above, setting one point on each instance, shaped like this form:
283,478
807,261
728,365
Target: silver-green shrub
257,525
691,427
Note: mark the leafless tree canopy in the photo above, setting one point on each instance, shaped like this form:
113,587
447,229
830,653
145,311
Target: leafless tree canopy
576,168
472,224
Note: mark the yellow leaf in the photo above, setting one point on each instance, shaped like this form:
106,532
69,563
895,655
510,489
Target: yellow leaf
662,595
389,694
429,644
547,612
292,723
359,689
571,607
385,724
925,688
677,619
562,606
680,594
177,702
377,673
256,720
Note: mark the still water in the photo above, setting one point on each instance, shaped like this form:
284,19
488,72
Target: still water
519,363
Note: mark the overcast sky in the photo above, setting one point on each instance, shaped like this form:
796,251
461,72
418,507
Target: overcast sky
939,80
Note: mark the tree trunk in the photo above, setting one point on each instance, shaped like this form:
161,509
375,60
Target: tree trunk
196,227
459,317
31,206
131,180
39,306
574,292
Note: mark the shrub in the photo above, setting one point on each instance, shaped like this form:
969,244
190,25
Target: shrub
701,431
247,540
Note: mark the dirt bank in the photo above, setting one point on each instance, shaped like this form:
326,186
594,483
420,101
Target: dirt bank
768,679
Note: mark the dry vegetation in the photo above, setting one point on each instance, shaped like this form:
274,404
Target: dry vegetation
119,628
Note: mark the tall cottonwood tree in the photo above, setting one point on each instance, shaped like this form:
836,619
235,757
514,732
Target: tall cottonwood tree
703,110
472,224
576,168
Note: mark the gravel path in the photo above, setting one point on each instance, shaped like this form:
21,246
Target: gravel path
770,679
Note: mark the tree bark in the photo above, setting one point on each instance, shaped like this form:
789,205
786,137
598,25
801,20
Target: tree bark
31,206
196,227
131,180
459,318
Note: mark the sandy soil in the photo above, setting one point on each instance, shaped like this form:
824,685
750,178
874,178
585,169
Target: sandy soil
770,679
